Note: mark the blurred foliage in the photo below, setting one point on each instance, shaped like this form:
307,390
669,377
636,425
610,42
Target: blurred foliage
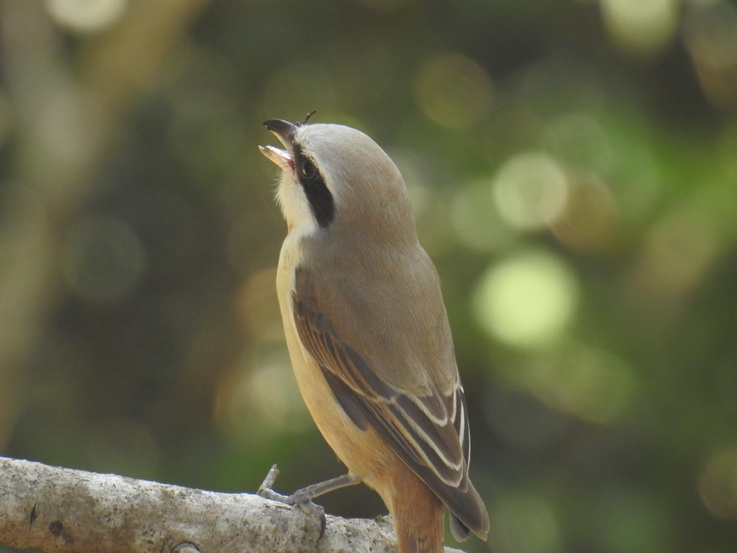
573,166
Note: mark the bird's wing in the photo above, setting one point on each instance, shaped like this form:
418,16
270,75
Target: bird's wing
427,428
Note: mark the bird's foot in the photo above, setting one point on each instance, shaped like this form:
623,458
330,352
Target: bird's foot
301,499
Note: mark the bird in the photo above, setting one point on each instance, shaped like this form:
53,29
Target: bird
368,334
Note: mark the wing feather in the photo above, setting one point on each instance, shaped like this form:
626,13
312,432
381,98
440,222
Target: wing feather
428,432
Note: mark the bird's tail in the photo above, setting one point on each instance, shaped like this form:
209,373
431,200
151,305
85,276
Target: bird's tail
417,514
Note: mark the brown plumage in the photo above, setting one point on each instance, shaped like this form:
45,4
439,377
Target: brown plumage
368,334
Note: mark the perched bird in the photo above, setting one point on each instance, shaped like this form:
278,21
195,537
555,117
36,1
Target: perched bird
368,334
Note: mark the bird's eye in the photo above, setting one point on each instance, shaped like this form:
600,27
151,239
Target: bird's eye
308,169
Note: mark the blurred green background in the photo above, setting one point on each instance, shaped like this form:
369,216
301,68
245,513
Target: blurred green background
573,166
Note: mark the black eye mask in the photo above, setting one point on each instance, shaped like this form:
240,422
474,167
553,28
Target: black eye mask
316,191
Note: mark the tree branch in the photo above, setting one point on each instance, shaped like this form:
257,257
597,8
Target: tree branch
59,510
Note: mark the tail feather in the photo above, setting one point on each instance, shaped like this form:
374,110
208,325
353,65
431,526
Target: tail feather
468,513
418,515
460,531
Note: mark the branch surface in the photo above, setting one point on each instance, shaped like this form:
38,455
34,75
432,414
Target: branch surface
60,510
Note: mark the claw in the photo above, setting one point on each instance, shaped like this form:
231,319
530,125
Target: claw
310,508
323,523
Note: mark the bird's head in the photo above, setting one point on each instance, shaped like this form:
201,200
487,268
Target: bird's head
337,179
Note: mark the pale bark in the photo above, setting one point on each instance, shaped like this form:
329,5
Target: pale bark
59,510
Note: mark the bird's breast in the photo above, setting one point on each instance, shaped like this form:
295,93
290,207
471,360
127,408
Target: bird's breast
335,425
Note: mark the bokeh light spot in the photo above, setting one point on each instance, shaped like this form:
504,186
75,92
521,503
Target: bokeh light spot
258,307
641,27
259,399
527,301
717,484
677,253
454,91
530,190
86,15
270,389
710,33
591,219
475,220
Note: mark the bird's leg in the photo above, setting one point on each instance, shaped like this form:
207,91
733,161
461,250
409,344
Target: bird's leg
303,498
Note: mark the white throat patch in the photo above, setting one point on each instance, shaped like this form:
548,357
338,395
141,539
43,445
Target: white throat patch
294,205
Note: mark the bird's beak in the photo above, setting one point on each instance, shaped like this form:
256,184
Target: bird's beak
284,131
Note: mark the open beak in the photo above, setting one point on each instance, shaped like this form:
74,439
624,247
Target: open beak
284,131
